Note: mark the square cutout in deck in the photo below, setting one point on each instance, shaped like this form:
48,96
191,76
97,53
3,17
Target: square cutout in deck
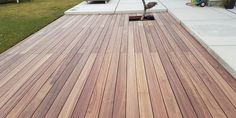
96,2
138,18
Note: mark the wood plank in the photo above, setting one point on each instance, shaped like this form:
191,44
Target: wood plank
100,88
124,46
54,63
96,99
8,69
27,95
26,85
106,109
200,70
120,93
106,66
8,61
145,108
155,91
184,103
91,81
102,76
7,77
43,37
197,101
109,91
220,69
206,95
71,70
137,43
228,90
132,108
53,78
69,106
71,101
151,44
64,93
167,93
218,94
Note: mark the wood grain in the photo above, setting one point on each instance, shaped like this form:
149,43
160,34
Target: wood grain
107,66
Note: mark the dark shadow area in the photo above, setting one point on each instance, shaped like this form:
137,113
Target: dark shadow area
138,18
13,1
7,1
96,2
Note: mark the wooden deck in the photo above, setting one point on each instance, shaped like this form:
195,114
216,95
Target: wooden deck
105,66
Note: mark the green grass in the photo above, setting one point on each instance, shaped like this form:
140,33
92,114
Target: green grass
18,21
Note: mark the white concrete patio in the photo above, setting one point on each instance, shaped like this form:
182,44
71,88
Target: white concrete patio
233,10
85,8
113,6
136,6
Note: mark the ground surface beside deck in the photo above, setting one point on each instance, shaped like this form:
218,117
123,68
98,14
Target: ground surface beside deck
113,6
105,66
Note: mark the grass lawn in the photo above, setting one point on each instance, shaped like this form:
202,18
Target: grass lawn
17,21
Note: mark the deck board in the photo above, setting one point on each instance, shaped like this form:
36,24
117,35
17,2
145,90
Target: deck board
106,66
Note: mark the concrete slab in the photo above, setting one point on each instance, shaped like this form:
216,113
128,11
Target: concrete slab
101,8
198,13
174,4
217,32
114,6
233,10
136,6
225,11
226,55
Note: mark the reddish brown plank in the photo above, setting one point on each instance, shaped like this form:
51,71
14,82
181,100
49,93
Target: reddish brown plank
107,66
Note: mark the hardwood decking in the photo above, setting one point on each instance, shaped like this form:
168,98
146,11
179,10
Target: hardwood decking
105,66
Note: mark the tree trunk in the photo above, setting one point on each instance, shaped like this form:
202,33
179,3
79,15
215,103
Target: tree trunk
144,9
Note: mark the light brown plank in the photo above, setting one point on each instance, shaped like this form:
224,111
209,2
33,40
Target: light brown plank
106,109
107,66
91,82
145,108
155,91
184,103
132,108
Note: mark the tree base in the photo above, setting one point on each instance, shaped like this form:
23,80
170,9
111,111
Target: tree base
138,18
